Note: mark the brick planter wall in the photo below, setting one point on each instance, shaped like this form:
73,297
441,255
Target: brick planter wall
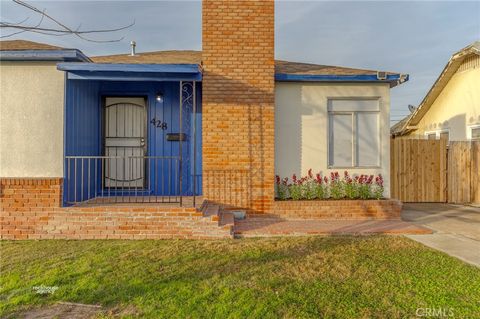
30,209
238,103
338,209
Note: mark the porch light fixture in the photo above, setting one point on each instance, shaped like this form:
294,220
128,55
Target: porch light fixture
159,97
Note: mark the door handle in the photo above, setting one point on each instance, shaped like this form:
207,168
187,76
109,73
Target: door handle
142,141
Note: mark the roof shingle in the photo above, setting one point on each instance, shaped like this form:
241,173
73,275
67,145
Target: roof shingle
23,45
195,57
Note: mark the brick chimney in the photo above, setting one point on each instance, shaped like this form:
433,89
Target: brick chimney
238,103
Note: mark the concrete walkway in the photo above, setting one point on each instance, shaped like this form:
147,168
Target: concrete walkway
456,228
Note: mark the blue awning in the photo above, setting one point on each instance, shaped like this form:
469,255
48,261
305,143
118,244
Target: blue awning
131,72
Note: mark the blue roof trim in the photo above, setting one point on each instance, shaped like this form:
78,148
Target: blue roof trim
44,55
131,72
118,67
393,79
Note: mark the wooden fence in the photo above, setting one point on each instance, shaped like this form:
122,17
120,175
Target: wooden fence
431,171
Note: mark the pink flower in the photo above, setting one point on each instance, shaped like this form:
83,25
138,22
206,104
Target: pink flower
319,178
370,179
325,179
310,174
277,179
294,178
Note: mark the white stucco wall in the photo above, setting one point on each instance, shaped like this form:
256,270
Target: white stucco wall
31,119
301,126
457,108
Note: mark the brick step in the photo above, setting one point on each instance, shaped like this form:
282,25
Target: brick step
254,226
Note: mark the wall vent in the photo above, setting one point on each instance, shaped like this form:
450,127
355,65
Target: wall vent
381,75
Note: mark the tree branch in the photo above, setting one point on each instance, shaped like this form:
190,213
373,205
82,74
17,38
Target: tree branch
62,29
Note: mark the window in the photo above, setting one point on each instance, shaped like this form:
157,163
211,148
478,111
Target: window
436,135
444,136
354,133
475,133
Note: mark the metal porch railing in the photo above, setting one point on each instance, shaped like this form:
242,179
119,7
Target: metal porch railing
123,179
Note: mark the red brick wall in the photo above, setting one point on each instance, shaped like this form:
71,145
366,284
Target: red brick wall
338,209
238,103
30,209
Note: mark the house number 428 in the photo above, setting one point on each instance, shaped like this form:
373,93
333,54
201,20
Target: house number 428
158,123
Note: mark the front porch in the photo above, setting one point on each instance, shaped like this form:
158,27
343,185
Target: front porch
132,134
143,201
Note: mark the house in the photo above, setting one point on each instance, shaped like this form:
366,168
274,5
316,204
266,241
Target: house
451,108
148,133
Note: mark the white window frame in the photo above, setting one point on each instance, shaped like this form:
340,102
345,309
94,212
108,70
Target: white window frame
354,131
470,128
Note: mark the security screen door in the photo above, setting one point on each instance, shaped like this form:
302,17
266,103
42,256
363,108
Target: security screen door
125,134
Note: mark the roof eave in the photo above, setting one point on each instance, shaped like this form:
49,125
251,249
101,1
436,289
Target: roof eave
454,62
392,79
132,72
67,55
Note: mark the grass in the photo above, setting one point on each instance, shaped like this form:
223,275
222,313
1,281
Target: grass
306,277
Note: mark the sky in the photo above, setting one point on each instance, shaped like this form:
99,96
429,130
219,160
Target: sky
415,37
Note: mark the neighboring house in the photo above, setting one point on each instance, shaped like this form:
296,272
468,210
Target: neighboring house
160,126
32,108
451,109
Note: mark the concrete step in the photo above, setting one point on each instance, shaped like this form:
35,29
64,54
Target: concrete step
226,218
211,210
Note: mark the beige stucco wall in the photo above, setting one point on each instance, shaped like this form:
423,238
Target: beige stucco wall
456,108
301,126
31,119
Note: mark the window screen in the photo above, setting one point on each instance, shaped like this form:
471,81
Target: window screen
368,141
444,136
476,134
341,140
354,133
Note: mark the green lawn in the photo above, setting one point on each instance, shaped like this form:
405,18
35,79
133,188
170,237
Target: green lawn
307,277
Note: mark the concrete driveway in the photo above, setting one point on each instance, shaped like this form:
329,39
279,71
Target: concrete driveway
456,228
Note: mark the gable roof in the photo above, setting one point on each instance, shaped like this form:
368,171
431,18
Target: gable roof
408,124
284,70
189,57
22,50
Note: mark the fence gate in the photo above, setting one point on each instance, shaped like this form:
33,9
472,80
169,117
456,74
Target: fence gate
419,170
464,172
431,171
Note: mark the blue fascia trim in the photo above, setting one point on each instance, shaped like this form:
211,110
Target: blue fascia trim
69,55
131,72
391,78
134,76
117,67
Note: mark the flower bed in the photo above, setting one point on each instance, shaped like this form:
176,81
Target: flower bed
323,188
